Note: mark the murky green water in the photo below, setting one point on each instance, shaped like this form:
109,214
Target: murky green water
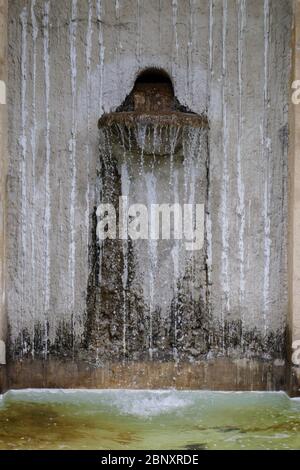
148,420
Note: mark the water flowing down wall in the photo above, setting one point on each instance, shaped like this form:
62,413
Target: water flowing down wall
148,296
69,63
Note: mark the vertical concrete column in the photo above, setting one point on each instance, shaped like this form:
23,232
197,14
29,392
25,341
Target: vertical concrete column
294,206
3,171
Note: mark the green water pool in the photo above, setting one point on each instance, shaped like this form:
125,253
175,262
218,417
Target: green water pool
157,420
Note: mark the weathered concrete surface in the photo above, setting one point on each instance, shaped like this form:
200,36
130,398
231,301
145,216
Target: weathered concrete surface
217,374
294,193
3,199
77,60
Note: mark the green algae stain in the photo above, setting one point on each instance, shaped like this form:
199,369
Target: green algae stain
149,420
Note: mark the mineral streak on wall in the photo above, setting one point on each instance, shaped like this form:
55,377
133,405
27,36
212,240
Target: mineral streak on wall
3,173
71,61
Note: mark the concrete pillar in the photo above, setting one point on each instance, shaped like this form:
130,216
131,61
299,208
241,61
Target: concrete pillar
3,172
294,208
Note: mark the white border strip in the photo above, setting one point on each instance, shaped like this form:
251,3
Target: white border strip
2,92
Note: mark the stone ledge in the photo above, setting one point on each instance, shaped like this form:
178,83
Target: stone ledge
219,374
132,119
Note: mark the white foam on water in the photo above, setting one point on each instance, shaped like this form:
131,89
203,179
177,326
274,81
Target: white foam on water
153,405
58,394
128,402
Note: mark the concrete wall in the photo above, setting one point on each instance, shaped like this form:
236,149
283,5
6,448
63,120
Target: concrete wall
71,61
3,173
294,253
294,206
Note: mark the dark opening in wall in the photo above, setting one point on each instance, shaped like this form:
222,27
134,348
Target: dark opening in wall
153,92
153,75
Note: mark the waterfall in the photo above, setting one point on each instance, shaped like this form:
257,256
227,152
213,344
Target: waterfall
190,51
101,52
88,56
106,138
208,221
152,254
173,138
240,177
23,145
47,167
141,133
72,149
175,253
125,191
33,164
193,157
225,183
156,166
266,148
118,47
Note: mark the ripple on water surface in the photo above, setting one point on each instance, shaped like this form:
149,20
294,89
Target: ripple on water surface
123,419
